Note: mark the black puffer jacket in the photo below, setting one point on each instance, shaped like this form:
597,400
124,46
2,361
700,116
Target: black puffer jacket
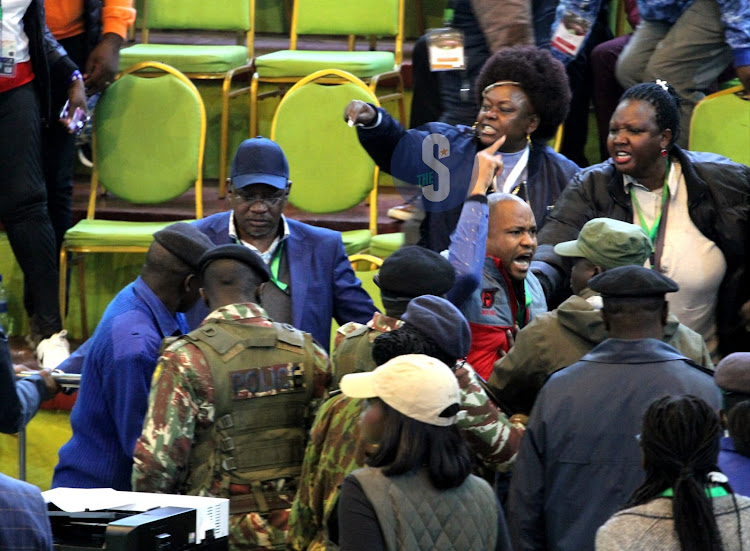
48,58
719,205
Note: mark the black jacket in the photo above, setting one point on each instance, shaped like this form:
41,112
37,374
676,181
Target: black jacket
719,205
48,59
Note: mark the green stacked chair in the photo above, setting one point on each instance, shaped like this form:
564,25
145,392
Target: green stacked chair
721,124
369,18
204,61
338,174
148,141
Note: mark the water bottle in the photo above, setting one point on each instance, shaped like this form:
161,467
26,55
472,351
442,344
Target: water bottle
4,319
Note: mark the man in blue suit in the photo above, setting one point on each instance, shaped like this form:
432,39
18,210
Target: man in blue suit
311,278
23,523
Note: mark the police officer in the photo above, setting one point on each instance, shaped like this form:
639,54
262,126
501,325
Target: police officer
408,273
230,402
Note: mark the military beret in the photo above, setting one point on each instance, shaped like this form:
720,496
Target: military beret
632,282
733,373
413,271
184,241
440,321
608,243
239,253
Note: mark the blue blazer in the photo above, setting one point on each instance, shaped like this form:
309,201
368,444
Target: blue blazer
323,284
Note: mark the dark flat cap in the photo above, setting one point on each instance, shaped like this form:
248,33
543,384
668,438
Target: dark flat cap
733,373
440,321
414,271
632,281
239,253
184,241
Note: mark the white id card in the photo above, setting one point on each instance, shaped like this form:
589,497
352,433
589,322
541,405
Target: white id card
570,33
446,49
7,58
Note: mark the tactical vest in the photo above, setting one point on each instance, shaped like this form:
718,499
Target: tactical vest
354,353
415,515
263,384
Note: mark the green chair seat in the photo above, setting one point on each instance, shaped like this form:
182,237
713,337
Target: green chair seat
104,233
355,241
299,63
385,244
187,58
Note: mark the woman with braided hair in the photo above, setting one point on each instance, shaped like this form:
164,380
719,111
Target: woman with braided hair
685,503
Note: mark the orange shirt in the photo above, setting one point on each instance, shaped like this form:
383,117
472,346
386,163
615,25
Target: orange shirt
65,18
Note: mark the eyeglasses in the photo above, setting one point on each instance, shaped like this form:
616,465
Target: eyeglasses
250,199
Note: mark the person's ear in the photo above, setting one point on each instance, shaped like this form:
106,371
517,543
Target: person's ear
189,283
533,124
597,269
666,138
204,298
665,313
724,419
288,188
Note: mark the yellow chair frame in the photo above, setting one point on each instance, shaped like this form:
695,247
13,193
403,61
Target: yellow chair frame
337,76
375,261
736,90
226,89
91,210
373,82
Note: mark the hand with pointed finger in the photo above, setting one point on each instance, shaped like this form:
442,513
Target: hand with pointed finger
486,164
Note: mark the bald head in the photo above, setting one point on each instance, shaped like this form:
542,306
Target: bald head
511,233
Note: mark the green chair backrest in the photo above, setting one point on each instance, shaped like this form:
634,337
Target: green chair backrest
329,169
220,15
721,124
345,17
148,137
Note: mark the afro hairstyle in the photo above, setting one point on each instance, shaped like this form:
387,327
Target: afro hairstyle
541,77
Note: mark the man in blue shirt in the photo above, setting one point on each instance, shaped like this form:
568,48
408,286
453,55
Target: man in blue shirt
733,378
112,401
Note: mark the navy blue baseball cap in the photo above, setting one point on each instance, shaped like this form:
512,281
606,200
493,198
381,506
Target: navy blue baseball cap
259,161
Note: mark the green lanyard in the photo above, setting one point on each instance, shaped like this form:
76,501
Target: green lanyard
521,313
716,491
275,268
653,230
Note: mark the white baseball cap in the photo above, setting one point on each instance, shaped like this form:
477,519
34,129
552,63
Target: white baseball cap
418,386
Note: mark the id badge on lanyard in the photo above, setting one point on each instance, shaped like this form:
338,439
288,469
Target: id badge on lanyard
446,49
571,33
7,52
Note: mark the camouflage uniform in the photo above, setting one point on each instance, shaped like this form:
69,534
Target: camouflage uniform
335,450
352,348
181,402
